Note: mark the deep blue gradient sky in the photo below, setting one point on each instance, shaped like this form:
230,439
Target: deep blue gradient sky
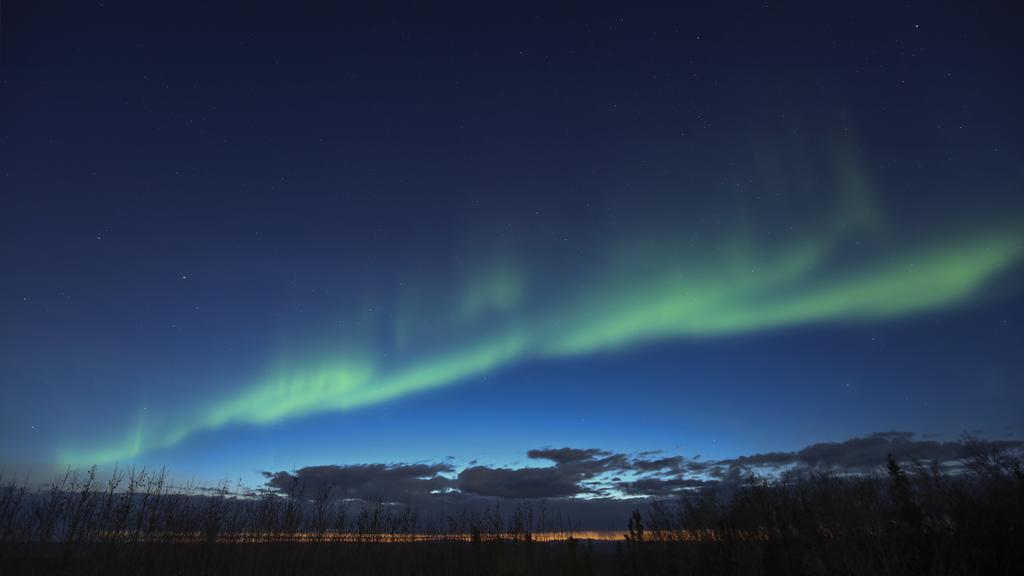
245,238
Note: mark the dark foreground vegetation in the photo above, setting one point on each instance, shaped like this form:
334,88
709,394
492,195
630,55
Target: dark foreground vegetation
905,519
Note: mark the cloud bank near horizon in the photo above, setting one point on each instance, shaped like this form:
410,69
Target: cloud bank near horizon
585,474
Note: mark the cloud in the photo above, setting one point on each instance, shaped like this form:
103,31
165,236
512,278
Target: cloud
866,453
519,483
573,474
589,475
564,455
660,486
672,463
389,482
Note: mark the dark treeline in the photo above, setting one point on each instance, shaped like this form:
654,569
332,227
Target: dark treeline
906,519
139,523
916,519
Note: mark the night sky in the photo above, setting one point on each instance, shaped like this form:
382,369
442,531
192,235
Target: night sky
238,239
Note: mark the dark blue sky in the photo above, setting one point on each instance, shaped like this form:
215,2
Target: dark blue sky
242,237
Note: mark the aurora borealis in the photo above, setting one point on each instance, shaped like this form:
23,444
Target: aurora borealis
340,238
681,302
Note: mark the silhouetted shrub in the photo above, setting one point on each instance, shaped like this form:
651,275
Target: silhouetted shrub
914,518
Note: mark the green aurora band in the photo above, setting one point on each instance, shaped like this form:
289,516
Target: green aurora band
642,291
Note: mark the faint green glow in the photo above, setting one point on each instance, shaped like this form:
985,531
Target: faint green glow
131,447
634,289
340,387
498,288
443,370
292,394
785,292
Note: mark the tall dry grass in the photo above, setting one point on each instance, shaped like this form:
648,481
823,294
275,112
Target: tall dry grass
918,519
903,519
137,522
